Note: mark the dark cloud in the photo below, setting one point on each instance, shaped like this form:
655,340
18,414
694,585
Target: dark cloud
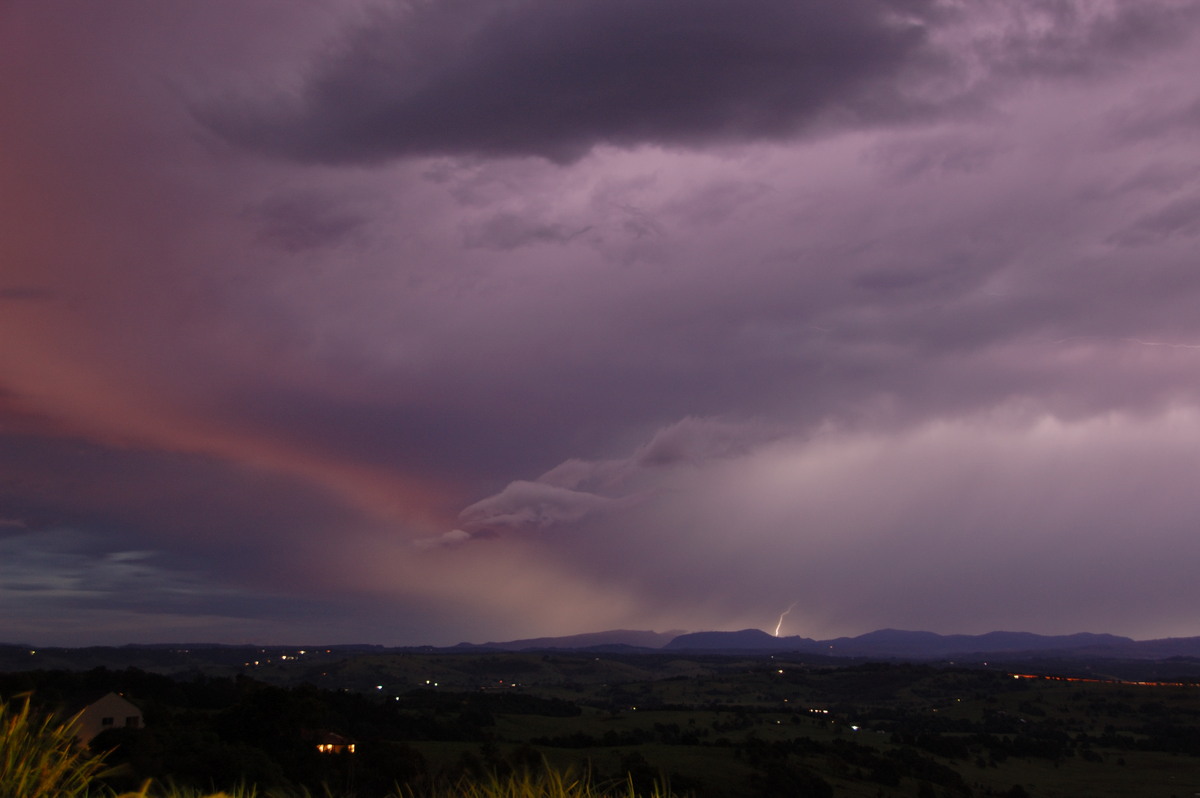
539,78
1161,178
1141,29
1156,116
1067,39
937,373
509,231
937,155
120,498
1180,217
298,222
543,78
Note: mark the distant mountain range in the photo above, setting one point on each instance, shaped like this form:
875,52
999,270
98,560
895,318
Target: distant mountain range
884,644
881,644
623,638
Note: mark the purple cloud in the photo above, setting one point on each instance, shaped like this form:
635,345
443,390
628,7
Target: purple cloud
540,78
677,317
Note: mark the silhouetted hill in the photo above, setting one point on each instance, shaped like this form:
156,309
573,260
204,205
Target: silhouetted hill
883,644
745,640
896,643
612,639
909,645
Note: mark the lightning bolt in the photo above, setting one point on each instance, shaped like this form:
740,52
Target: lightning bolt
779,625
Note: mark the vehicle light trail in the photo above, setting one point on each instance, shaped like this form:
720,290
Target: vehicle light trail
1101,681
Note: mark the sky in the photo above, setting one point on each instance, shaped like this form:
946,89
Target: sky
465,320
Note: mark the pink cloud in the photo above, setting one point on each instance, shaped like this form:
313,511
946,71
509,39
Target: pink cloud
920,349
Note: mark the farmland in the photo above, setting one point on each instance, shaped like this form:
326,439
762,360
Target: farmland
713,726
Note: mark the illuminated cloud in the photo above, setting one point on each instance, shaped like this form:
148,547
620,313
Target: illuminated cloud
531,504
386,321
576,489
455,537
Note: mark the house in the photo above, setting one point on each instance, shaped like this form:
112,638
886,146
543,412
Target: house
333,743
111,711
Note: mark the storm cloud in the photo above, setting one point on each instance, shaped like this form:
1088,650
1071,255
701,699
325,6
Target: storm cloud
449,320
531,77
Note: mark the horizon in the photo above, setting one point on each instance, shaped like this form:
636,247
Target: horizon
469,643
424,323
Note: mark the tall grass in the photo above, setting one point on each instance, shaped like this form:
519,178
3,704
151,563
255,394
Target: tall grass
542,784
547,783
185,792
40,758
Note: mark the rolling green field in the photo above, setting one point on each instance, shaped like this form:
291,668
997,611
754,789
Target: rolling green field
710,726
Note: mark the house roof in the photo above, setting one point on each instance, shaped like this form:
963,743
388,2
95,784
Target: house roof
332,738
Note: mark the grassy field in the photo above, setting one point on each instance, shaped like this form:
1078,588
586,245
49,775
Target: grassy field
711,727
39,758
879,731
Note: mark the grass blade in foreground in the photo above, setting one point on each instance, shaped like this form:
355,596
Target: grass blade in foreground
40,759
548,783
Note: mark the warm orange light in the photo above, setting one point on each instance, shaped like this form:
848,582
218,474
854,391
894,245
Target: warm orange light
1100,681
